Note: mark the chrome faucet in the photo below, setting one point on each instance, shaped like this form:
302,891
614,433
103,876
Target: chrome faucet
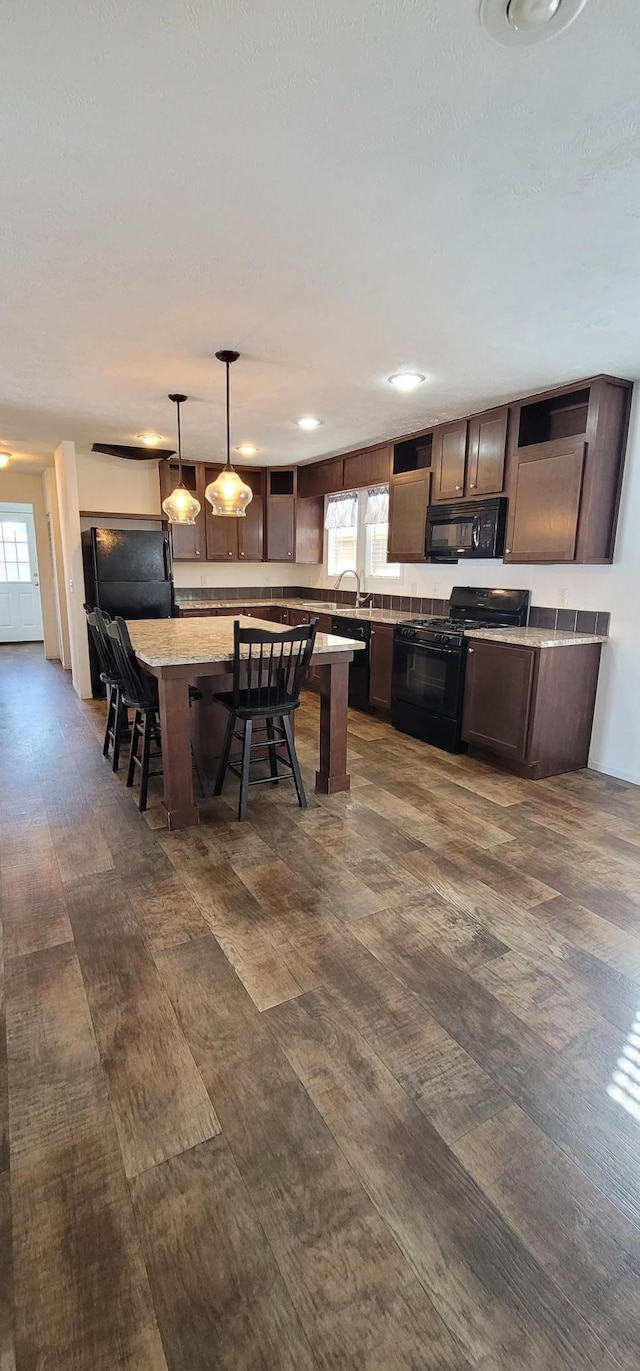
360,598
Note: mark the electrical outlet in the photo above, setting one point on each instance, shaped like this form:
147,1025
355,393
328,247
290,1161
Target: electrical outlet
563,598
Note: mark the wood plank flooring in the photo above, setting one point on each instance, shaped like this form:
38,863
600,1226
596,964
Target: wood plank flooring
355,1087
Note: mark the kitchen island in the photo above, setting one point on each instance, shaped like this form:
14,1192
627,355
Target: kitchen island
199,652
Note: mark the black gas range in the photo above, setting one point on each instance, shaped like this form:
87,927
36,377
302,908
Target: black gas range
429,660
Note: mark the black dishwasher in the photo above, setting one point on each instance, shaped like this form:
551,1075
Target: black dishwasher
359,667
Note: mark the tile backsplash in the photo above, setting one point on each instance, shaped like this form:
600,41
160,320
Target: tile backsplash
540,616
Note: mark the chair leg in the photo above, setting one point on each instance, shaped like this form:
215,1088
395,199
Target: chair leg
111,718
244,776
120,719
224,756
273,760
133,750
293,758
147,730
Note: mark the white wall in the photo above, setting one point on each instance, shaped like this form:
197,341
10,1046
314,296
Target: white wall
111,485
214,574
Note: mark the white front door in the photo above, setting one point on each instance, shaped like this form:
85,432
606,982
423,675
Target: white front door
20,609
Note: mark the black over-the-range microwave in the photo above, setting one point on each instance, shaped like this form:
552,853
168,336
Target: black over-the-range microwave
468,528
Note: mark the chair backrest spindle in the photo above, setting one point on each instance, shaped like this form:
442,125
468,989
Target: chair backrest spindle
268,668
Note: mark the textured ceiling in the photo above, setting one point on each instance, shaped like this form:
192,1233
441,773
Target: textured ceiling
336,189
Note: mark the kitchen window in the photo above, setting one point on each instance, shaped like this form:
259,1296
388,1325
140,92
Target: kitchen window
357,532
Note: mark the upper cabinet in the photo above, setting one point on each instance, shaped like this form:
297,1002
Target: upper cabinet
370,468
235,540
320,478
295,527
408,501
468,456
487,452
449,458
188,541
566,456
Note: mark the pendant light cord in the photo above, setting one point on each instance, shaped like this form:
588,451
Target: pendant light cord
179,446
228,439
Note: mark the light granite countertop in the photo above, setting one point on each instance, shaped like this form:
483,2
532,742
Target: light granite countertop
374,616
181,642
535,637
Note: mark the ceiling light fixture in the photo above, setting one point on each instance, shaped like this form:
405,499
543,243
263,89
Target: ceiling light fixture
228,495
247,450
4,459
181,506
149,439
309,422
519,23
406,380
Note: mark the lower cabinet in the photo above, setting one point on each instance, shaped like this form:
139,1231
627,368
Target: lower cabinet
380,665
531,708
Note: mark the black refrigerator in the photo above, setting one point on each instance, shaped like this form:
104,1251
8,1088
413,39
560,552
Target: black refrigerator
126,572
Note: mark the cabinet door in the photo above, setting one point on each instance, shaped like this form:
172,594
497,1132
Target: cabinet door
544,502
221,532
188,541
320,478
449,453
251,532
498,692
367,468
380,665
487,452
408,500
280,528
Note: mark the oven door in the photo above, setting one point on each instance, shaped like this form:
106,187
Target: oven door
428,676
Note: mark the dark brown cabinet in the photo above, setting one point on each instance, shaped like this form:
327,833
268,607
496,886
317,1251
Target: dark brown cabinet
188,541
370,468
544,505
233,540
565,471
448,459
320,478
380,665
487,453
295,527
408,501
530,708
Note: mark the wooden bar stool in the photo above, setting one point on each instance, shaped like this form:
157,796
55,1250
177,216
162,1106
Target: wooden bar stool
117,723
139,693
268,669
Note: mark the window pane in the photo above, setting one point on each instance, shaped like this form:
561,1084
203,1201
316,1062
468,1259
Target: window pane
22,552
3,574
12,571
342,547
24,571
377,565
21,532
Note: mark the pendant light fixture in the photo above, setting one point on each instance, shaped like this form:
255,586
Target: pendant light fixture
228,495
181,506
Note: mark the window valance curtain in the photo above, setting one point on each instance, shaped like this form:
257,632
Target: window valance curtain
341,511
377,508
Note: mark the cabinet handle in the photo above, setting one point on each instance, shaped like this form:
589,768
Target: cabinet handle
229,554
241,554
507,549
197,552
469,650
458,487
472,485
289,554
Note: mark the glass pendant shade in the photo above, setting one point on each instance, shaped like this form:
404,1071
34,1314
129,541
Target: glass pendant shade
181,507
228,495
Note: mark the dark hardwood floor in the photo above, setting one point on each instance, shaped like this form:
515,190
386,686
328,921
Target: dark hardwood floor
356,1087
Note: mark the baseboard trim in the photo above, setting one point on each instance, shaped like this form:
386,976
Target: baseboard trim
617,775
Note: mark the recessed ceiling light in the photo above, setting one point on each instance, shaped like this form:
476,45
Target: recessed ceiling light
406,380
247,450
518,23
309,422
149,439
4,459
